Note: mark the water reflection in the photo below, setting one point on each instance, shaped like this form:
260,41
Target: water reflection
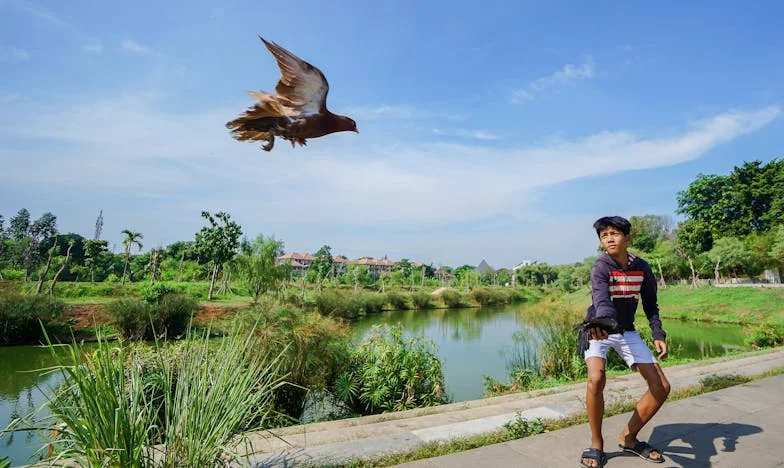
23,387
476,342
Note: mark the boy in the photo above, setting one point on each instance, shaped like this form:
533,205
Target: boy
618,281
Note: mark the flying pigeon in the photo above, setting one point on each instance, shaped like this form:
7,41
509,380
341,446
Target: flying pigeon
296,112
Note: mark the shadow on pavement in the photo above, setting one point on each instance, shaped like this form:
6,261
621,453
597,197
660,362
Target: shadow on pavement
694,444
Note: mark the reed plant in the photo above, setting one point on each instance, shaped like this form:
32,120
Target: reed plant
112,409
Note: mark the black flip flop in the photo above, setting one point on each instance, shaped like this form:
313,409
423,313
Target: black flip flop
643,450
593,454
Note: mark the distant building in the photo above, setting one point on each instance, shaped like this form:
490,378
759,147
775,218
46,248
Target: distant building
522,264
484,268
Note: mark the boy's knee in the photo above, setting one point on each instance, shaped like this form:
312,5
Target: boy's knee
596,381
660,390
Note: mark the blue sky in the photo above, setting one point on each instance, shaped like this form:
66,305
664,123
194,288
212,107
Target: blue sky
487,130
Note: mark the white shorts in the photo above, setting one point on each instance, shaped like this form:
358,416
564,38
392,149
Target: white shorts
628,345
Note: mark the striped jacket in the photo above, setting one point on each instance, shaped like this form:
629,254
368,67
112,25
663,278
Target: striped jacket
616,293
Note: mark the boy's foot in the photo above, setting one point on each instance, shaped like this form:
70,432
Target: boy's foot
642,450
593,458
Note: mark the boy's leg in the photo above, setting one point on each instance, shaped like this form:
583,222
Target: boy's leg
649,404
594,401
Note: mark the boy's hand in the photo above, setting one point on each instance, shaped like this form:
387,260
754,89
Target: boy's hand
661,348
597,333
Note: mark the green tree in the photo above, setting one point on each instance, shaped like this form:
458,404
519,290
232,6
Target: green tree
218,243
777,246
3,247
321,267
750,199
93,248
131,238
256,265
731,256
19,225
648,229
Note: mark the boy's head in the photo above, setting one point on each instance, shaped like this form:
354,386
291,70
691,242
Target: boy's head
613,232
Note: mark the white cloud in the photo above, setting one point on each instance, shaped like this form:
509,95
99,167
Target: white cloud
13,54
567,74
398,112
476,134
174,165
132,46
370,113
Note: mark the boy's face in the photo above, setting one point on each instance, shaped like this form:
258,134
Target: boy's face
614,241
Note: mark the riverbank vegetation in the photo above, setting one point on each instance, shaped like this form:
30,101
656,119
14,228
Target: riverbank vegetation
289,320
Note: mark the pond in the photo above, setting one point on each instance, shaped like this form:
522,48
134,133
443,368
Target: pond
471,343
476,342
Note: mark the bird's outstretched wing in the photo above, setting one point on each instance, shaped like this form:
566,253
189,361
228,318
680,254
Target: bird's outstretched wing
302,86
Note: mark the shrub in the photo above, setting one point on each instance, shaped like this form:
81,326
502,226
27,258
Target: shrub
488,296
21,316
10,274
421,300
452,299
317,350
349,305
142,320
329,302
372,303
390,373
520,427
397,300
155,292
766,336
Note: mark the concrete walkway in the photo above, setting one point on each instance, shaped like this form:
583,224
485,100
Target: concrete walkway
741,426
370,437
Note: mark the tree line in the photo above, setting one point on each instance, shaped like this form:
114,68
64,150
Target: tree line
733,227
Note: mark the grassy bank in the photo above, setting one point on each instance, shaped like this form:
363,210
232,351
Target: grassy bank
727,305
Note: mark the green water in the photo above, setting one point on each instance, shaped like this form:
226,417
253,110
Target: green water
23,386
471,343
476,342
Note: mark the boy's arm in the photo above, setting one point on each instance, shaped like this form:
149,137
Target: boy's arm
600,290
648,294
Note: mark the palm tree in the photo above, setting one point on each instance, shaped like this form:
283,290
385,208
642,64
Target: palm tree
131,239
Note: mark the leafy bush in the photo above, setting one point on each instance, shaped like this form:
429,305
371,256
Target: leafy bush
452,299
142,320
397,300
21,316
155,292
317,350
421,300
520,427
10,274
488,296
329,302
390,373
349,305
766,336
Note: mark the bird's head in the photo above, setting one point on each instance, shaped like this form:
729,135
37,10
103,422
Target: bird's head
346,124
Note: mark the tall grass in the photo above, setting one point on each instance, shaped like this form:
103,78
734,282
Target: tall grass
103,407
113,411
213,397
